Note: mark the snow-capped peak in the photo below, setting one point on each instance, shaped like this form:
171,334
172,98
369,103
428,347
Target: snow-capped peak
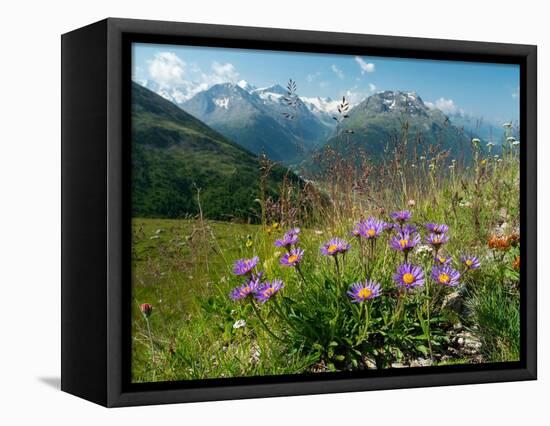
245,85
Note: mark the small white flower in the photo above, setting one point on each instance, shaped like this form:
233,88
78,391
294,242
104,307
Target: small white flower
510,139
317,232
475,141
490,144
515,143
465,204
239,324
423,248
495,156
422,157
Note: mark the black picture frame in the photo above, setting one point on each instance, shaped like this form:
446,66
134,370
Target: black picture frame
96,216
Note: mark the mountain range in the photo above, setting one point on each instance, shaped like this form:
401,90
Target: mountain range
387,117
174,155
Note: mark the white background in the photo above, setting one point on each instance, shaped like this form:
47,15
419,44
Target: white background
30,211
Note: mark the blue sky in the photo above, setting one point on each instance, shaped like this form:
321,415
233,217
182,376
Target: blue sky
490,91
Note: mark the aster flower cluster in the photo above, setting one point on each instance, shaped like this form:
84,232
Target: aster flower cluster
254,287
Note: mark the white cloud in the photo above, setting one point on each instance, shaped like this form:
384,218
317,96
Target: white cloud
515,93
372,87
365,66
324,84
225,72
446,106
166,69
178,81
337,71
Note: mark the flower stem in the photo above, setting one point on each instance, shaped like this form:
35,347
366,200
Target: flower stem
152,346
263,322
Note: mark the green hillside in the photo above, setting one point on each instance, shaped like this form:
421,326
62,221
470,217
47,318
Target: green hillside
173,154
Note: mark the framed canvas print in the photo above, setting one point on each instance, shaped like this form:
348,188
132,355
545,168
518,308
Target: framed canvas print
253,212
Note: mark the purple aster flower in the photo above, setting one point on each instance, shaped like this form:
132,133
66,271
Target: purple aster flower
404,241
442,260
445,275
360,292
436,228
248,289
245,266
401,216
409,276
292,258
268,290
372,228
437,240
471,262
335,246
408,228
289,239
358,229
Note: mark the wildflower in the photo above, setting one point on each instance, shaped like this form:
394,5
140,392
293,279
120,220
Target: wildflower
275,226
408,228
146,309
401,216
507,125
445,275
442,260
484,162
335,246
248,243
409,276
515,264
510,139
246,290
513,239
292,258
471,262
371,228
405,241
360,292
515,143
289,239
437,228
411,203
498,243
490,145
423,249
268,290
245,266
475,141
437,240
239,324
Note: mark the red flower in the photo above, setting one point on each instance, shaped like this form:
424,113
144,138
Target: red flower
146,309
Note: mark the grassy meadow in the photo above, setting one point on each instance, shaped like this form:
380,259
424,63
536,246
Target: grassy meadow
184,270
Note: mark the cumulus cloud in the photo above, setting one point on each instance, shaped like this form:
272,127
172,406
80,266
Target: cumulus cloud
337,71
365,66
447,106
166,69
372,87
174,79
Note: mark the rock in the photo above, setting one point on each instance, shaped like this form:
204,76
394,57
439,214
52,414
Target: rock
460,341
453,301
421,362
398,365
369,362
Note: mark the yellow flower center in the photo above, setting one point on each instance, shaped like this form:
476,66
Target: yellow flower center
444,278
292,258
364,293
442,260
269,292
404,243
469,262
332,248
408,278
371,232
